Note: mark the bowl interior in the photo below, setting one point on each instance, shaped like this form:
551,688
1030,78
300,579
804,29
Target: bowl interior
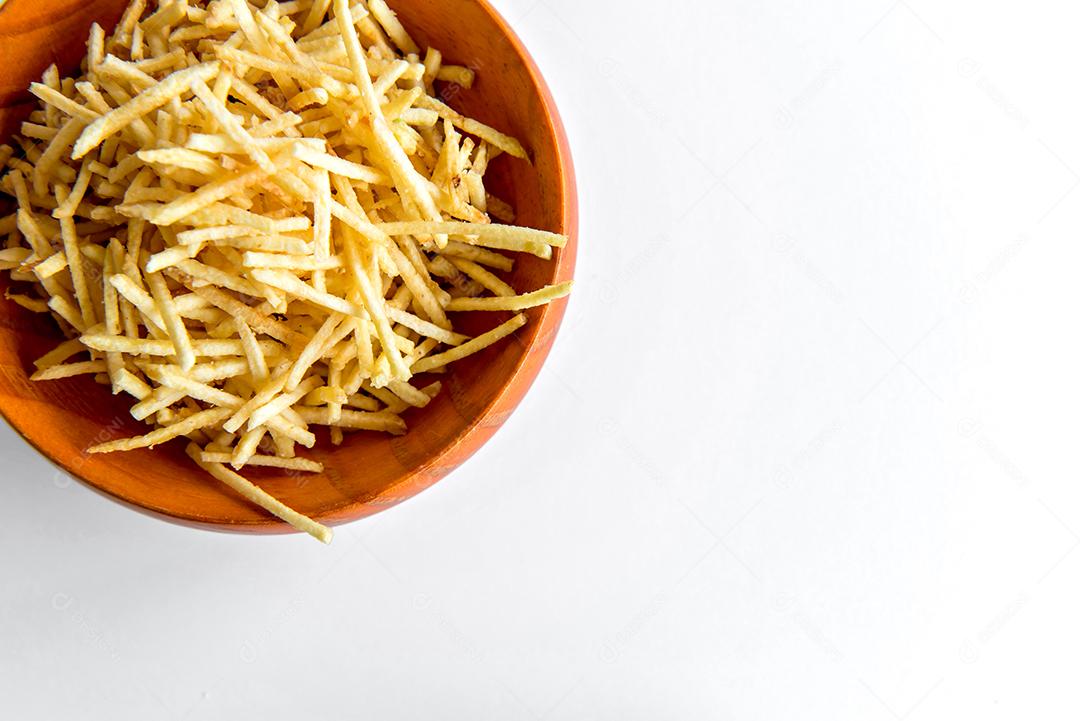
369,471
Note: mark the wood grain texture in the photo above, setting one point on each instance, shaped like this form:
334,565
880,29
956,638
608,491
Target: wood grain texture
369,471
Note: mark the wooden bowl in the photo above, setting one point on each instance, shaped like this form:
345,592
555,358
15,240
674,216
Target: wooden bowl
369,471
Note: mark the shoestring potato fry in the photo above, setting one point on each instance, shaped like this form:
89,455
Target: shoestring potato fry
254,217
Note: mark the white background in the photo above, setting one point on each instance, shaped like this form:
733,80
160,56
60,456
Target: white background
805,448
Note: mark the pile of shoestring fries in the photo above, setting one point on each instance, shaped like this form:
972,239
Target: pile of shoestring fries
256,217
